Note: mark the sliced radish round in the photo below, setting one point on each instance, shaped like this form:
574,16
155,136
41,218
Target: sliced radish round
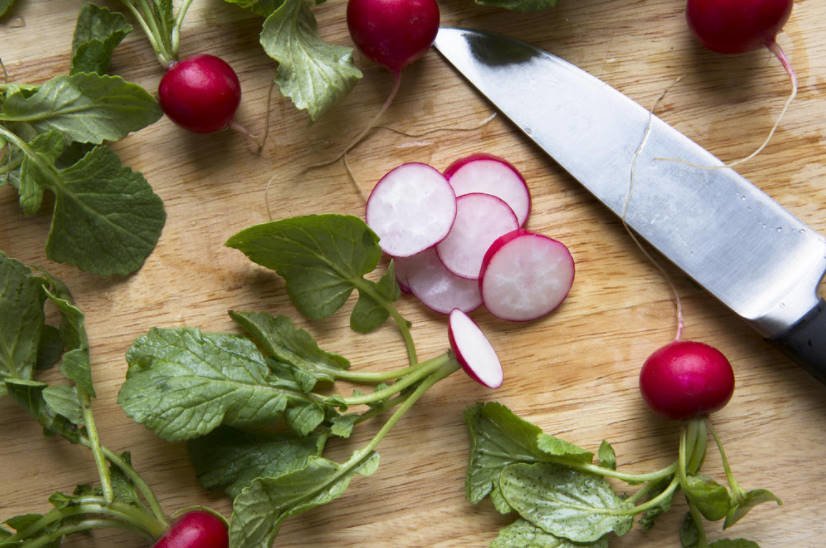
491,175
439,290
411,208
525,275
473,350
480,219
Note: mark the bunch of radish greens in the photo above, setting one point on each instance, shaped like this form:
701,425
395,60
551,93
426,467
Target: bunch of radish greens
53,140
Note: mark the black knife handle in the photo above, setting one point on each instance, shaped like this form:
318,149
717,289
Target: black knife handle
806,341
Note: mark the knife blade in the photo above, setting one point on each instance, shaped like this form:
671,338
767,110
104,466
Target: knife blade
725,233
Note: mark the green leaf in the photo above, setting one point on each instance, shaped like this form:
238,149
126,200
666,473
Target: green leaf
321,257
86,107
752,499
5,6
106,217
689,533
49,348
77,368
29,394
63,400
564,502
303,419
519,5
122,486
33,180
229,459
279,338
311,72
556,447
733,543
649,517
258,7
342,425
606,455
97,32
524,534
369,314
263,505
21,319
182,383
708,496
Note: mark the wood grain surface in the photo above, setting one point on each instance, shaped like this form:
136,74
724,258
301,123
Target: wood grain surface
574,372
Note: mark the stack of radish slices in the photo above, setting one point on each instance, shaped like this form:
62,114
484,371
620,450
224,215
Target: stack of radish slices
458,242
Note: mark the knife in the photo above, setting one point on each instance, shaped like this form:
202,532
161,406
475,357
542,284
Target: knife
722,231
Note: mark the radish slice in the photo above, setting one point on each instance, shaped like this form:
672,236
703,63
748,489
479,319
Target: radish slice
491,175
525,276
473,350
411,208
439,290
480,219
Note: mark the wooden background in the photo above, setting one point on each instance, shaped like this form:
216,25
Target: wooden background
574,372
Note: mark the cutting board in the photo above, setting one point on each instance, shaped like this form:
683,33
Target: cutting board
574,372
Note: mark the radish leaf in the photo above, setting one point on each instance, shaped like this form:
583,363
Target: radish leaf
97,32
182,383
5,6
33,179
369,314
564,502
311,72
524,534
751,499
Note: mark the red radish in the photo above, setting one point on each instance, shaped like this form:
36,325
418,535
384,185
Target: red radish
200,93
473,350
491,175
738,26
430,282
196,529
525,275
411,208
480,219
686,379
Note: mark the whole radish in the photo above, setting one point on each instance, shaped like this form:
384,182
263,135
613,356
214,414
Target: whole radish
200,93
196,529
739,26
686,379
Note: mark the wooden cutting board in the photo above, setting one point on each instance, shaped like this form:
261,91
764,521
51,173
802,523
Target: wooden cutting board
574,372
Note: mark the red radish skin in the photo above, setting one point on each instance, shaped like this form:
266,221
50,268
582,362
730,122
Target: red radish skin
490,174
686,379
200,93
525,276
737,26
393,33
411,209
436,287
473,350
480,219
196,529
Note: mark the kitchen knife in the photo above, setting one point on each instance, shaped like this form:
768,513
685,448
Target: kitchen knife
726,234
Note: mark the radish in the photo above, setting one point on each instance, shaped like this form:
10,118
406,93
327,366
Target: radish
196,529
738,26
686,379
525,275
411,209
480,219
492,175
473,350
200,93
437,288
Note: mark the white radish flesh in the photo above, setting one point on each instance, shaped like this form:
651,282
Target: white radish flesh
430,282
411,209
473,350
525,276
491,175
480,219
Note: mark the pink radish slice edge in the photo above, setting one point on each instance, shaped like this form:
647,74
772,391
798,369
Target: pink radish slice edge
411,209
473,350
480,220
428,280
525,276
492,175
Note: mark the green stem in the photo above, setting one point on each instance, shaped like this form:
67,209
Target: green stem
95,447
139,483
374,377
737,491
402,324
702,541
656,501
175,37
82,526
697,430
150,29
622,476
427,368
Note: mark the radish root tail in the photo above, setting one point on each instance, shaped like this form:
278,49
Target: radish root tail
353,180
778,52
678,305
267,118
479,125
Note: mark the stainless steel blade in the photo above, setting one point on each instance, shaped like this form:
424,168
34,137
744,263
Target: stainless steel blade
721,230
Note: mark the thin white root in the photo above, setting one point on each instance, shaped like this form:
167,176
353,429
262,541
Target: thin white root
474,127
678,305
